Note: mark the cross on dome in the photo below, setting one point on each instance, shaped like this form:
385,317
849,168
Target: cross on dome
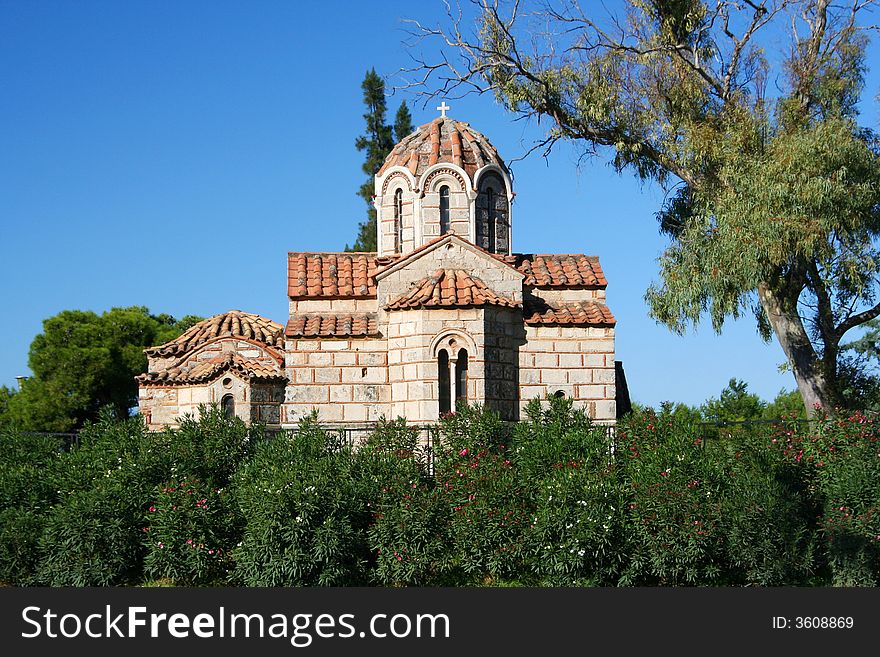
443,107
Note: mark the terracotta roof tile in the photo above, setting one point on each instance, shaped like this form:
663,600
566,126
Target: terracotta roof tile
557,270
332,326
332,275
443,140
584,313
450,287
208,370
234,323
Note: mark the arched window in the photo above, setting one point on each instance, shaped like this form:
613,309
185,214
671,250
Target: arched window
491,218
461,368
443,381
398,220
227,405
444,210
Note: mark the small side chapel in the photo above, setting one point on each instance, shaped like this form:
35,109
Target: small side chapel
445,312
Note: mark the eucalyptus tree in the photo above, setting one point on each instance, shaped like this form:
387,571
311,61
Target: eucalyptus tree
745,111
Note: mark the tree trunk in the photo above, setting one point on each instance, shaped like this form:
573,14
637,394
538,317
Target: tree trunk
813,384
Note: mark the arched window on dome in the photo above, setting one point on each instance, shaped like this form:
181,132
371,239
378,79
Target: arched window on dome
398,220
444,210
493,212
491,217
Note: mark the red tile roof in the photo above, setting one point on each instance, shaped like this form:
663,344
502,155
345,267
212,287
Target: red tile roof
353,275
443,140
332,326
450,287
558,270
584,313
332,275
234,323
208,370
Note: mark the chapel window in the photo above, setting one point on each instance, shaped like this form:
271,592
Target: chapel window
491,218
444,210
443,382
461,368
398,220
227,405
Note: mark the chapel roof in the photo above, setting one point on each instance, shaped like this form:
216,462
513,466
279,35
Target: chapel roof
443,140
557,270
235,323
450,288
353,275
333,275
208,370
313,325
583,313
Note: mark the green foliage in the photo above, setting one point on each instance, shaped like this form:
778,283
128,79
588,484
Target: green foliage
773,207
190,532
845,457
306,512
83,361
736,404
576,506
377,142
552,501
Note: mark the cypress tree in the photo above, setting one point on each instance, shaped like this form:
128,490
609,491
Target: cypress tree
377,142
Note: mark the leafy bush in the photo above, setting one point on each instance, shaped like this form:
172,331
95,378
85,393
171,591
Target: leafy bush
564,465
306,513
190,532
844,455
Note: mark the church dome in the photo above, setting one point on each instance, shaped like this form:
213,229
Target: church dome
443,140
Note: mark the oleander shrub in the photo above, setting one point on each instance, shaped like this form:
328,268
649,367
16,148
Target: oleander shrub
306,512
720,512
463,526
844,456
569,483
190,530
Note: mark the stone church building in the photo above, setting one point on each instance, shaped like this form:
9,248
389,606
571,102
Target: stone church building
446,311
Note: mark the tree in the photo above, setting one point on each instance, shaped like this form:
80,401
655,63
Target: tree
774,188
377,142
736,404
83,361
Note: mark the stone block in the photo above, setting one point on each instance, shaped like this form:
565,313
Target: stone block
398,391
341,393
606,410
599,345
295,358
546,360
345,358
554,376
590,392
580,375
303,375
570,360
335,345
328,375
603,376
371,358
367,393
354,412
320,359
307,394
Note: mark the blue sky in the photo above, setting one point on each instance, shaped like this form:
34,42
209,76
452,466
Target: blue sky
170,154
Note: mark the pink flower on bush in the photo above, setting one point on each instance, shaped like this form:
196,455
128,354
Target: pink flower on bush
463,452
152,509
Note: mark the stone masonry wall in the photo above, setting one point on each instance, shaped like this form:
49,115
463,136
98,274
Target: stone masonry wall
345,380
577,361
